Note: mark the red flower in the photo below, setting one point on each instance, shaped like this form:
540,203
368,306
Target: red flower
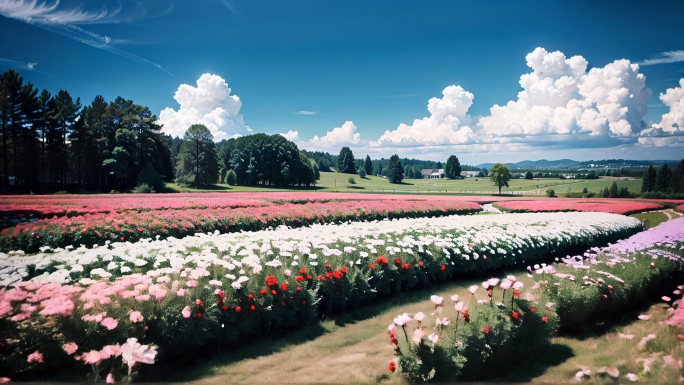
392,366
516,315
420,263
199,315
237,309
263,292
270,281
532,309
443,267
141,229
273,292
302,271
249,296
486,329
544,319
394,341
283,287
198,302
381,260
466,316
299,289
328,274
251,307
299,278
327,267
652,265
397,261
319,278
224,307
372,266
337,274
344,270
405,266
516,293
308,278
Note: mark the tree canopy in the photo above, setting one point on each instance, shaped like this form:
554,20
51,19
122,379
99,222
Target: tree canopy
346,162
453,167
197,160
395,172
500,175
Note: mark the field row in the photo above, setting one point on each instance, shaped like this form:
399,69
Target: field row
211,290
615,206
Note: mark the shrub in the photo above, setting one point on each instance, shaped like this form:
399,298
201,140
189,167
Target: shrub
362,173
150,177
114,192
231,177
143,188
590,194
61,192
550,193
584,190
351,180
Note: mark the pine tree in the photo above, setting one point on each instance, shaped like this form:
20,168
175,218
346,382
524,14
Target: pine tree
663,177
677,181
395,172
368,166
346,162
198,158
649,180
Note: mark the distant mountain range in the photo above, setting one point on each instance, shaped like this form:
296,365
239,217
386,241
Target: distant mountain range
569,163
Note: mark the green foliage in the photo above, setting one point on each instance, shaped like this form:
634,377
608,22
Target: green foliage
362,173
368,165
613,192
198,162
605,193
143,188
149,176
550,192
395,172
649,183
528,175
351,180
663,179
584,190
346,162
452,169
231,178
500,175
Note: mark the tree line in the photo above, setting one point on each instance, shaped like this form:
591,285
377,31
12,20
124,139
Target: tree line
51,142
664,180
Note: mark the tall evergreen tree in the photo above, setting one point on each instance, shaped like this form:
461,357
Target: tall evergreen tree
453,167
198,158
663,178
395,172
677,181
649,179
368,165
346,162
66,112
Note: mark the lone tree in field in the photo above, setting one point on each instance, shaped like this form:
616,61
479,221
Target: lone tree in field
395,172
346,162
500,175
453,167
198,162
528,175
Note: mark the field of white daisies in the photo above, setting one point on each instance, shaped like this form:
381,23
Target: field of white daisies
119,311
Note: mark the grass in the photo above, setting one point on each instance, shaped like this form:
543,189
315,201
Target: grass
337,182
355,349
654,219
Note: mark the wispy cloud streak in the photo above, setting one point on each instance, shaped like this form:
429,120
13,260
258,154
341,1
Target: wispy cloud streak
30,66
305,113
665,57
64,22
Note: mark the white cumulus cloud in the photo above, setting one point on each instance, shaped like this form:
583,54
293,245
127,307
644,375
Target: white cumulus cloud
211,104
291,135
345,135
447,123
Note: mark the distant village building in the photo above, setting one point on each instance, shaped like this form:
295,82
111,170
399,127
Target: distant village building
433,173
470,174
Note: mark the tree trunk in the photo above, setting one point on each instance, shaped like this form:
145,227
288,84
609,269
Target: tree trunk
5,165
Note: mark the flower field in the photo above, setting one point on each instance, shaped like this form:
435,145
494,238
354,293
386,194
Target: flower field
120,307
476,338
118,224
614,206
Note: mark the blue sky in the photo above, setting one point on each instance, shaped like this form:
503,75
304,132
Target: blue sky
333,73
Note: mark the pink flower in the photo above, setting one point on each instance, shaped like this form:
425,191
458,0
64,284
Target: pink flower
70,348
434,338
110,379
35,357
181,292
472,289
518,285
110,351
644,317
4,380
418,335
110,323
133,352
419,316
549,305
191,283
454,298
437,300
186,312
136,316
445,321
93,357
505,284
141,298
287,273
